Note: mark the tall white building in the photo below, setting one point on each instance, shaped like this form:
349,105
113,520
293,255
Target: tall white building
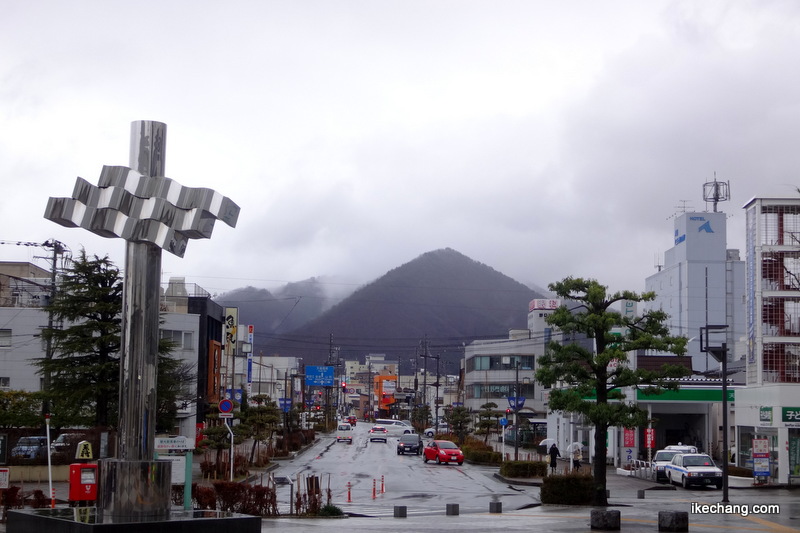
769,407
701,283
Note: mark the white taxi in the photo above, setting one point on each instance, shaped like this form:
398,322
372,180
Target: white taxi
693,469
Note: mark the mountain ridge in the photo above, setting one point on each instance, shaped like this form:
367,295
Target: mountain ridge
442,297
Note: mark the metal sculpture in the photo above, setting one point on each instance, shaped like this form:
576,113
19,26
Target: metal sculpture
151,213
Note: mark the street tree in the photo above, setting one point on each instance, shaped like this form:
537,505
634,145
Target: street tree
20,409
263,420
458,417
84,369
487,419
217,436
595,379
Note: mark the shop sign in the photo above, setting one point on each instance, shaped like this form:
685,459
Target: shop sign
765,416
791,416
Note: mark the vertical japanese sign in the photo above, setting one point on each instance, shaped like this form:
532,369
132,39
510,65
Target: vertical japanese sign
761,457
650,438
231,321
794,456
629,437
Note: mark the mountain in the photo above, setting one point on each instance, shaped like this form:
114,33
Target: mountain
282,310
442,296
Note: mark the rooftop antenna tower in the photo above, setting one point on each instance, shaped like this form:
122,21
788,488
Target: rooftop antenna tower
716,191
683,208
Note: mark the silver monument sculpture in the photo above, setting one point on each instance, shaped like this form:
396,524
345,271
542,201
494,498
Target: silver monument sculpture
152,213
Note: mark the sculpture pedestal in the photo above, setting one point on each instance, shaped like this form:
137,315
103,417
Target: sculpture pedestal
87,520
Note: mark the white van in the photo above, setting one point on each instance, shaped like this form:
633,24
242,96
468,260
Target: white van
394,427
344,431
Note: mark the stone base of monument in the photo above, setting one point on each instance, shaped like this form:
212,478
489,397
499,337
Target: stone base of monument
87,520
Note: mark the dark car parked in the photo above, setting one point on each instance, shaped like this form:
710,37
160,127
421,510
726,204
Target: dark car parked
30,448
409,443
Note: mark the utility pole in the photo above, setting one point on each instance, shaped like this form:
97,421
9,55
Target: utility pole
516,410
720,353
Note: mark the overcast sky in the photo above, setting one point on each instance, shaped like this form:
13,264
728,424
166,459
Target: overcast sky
544,139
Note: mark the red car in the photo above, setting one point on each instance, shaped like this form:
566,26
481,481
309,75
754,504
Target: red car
352,420
443,451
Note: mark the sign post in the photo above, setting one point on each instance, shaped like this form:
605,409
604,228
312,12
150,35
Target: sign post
180,444
226,411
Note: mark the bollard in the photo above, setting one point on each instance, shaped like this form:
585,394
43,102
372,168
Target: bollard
640,494
383,489
349,499
52,498
496,507
673,521
451,509
374,489
400,511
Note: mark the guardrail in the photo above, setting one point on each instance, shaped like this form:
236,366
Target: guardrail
642,469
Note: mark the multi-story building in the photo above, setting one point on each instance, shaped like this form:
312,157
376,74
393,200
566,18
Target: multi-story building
498,369
769,407
701,283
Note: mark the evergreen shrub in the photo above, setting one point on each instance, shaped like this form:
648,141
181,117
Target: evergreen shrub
570,489
523,469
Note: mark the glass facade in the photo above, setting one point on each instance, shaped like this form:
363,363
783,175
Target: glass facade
495,391
499,362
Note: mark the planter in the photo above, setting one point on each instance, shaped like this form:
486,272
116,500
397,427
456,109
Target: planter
740,482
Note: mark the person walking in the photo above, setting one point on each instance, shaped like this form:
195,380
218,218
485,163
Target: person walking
576,458
554,453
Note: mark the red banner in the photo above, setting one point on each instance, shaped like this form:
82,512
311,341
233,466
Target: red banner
629,438
650,438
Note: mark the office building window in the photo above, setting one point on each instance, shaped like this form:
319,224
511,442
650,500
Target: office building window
5,338
183,340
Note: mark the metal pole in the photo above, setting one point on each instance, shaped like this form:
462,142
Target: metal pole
227,425
516,416
724,357
49,463
140,332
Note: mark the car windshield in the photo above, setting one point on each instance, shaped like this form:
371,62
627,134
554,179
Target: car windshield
28,441
378,428
664,456
699,460
345,427
409,438
447,445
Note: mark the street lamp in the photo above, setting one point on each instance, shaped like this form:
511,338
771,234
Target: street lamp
720,353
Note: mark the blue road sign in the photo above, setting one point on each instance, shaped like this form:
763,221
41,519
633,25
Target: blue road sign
504,421
319,376
285,404
516,402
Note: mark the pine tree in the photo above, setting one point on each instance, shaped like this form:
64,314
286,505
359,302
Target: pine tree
84,370
594,386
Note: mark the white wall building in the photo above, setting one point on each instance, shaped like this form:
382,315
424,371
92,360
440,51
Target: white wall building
490,366
701,283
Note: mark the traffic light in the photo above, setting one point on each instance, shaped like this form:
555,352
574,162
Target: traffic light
344,386
508,411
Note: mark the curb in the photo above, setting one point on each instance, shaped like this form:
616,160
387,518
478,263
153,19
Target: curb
535,482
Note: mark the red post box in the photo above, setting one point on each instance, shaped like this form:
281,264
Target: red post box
82,482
